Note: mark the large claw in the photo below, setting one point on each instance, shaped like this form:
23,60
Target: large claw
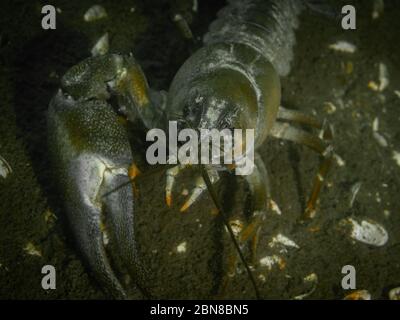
92,155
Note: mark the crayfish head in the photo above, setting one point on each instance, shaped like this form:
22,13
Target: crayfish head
222,100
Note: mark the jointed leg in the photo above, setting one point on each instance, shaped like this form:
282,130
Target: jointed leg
298,117
171,177
197,191
259,186
260,195
199,188
320,144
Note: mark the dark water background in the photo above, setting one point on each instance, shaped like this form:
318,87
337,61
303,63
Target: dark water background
31,63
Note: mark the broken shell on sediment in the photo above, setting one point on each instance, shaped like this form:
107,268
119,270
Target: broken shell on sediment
101,47
311,279
270,261
367,231
343,46
394,294
358,295
32,250
94,13
5,168
282,242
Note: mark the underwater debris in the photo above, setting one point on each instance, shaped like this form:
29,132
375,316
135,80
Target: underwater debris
236,226
380,139
366,231
183,26
340,162
101,47
262,278
343,46
373,86
49,216
195,6
270,261
5,168
311,279
282,241
32,250
181,248
375,125
378,9
358,295
274,207
396,157
386,213
383,79
354,191
329,108
94,13
394,294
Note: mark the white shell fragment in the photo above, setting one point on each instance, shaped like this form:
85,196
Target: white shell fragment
394,294
329,107
396,157
274,207
94,13
181,248
311,279
5,168
367,231
375,125
383,77
380,139
282,242
101,47
270,261
343,46
354,191
358,295
32,250
340,162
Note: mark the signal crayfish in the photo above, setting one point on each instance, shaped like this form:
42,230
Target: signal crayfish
232,82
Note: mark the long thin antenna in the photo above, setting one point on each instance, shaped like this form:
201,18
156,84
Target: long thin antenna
228,226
